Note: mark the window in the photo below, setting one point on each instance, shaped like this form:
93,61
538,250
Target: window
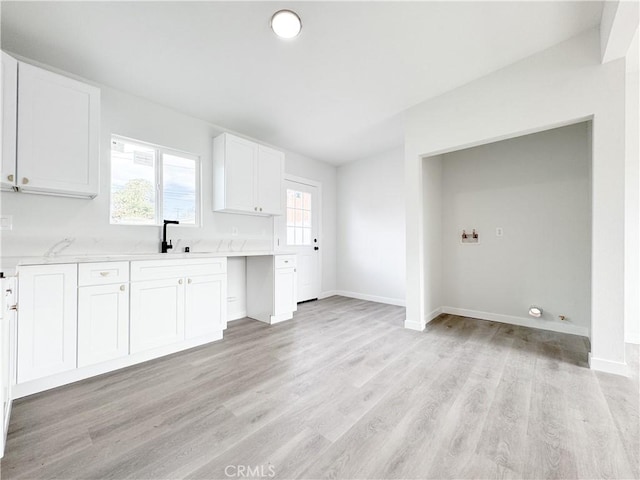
298,218
150,183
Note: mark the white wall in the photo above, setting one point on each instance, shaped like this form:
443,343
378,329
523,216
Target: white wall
432,209
556,87
47,225
632,200
536,188
371,241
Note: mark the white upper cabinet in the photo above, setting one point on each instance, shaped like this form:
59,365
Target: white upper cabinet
9,119
247,177
58,134
270,177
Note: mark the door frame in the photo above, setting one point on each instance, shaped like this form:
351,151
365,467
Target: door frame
277,231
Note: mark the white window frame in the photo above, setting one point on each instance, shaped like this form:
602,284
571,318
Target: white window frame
159,179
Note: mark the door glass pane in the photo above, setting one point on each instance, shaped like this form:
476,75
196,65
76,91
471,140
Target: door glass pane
298,218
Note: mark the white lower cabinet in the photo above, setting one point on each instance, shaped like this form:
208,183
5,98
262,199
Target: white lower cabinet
205,305
271,288
189,303
285,291
157,313
103,323
47,319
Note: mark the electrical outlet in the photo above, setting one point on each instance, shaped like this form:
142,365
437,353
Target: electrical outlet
499,232
6,222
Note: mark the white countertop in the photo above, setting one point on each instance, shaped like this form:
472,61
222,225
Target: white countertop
8,265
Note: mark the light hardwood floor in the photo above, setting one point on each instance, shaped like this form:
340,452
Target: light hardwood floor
342,391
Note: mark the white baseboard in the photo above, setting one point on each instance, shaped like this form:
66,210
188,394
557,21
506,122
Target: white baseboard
236,316
417,326
608,366
433,315
521,321
327,294
372,298
632,337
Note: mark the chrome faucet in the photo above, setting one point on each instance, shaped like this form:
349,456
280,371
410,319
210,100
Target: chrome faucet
167,246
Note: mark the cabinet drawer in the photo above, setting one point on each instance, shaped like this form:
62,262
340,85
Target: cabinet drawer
158,269
285,261
102,273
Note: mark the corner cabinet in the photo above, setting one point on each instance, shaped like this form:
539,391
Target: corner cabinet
247,177
51,132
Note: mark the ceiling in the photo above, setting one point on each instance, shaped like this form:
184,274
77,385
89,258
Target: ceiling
336,93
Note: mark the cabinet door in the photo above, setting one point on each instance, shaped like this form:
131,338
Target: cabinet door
157,313
47,320
240,162
269,181
58,134
285,294
103,323
206,305
9,119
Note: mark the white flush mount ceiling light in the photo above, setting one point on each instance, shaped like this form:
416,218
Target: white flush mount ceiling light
286,24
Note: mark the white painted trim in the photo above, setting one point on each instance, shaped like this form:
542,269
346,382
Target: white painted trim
281,318
521,321
608,366
327,294
237,316
634,339
304,181
428,318
417,326
372,298
318,185
64,378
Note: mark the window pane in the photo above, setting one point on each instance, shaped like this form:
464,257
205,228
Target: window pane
298,199
179,184
290,236
291,217
306,219
306,201
306,236
133,192
291,195
298,218
298,236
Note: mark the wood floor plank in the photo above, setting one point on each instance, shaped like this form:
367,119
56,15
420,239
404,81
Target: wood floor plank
341,391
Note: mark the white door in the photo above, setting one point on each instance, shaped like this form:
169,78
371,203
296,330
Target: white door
103,323
299,233
157,313
48,302
205,304
58,133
